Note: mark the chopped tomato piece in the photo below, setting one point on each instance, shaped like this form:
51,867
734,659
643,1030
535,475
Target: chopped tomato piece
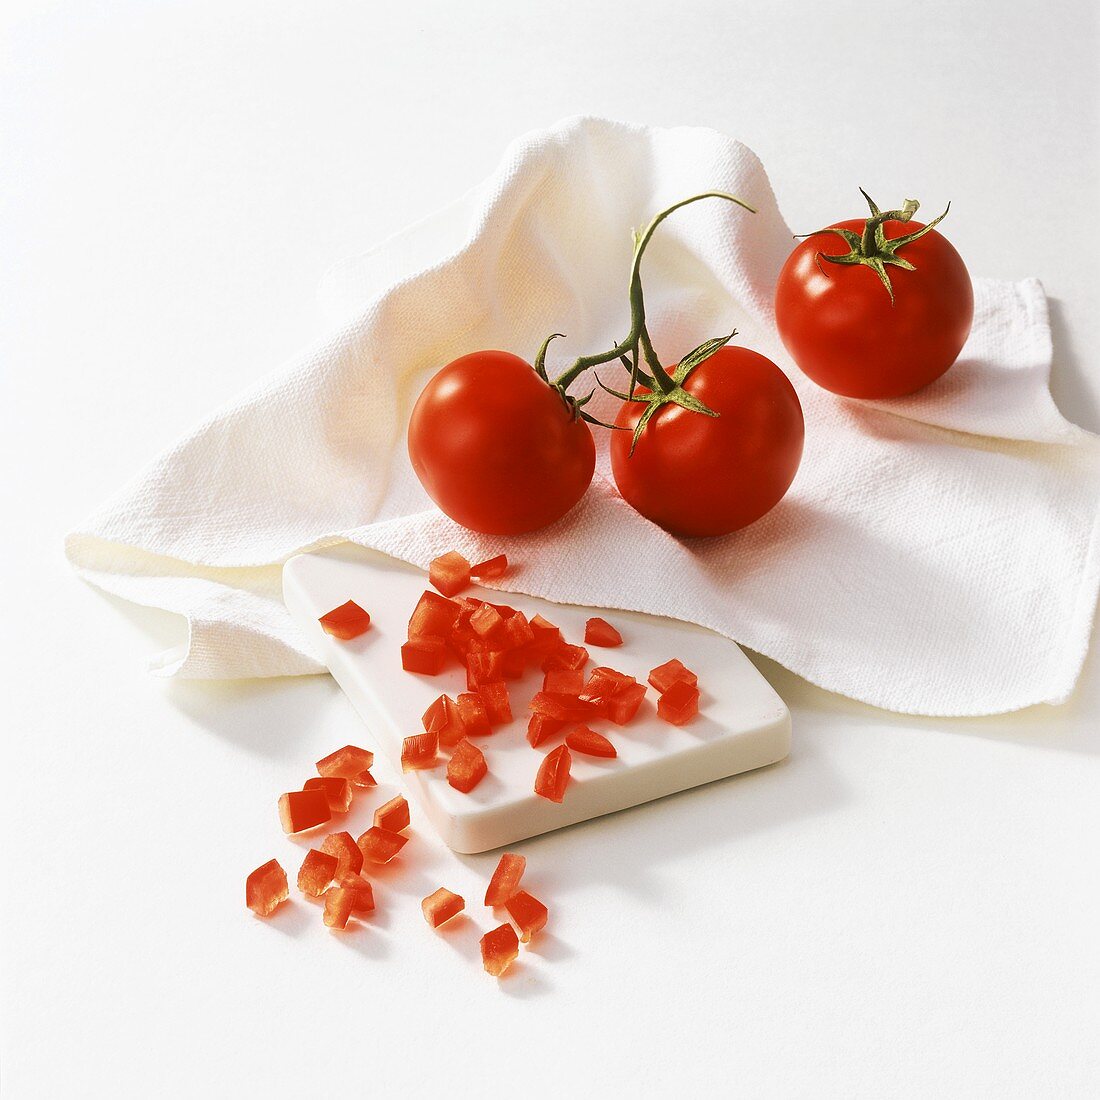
317,871
345,763
424,655
565,655
527,913
337,791
505,880
600,632
553,774
450,573
440,907
540,727
483,668
606,682
499,949
490,568
345,622
679,704
546,634
266,889
583,740
516,632
514,663
486,622
433,617
497,704
349,858
567,708
671,672
380,845
443,719
622,707
361,892
393,815
564,681
301,810
473,715
419,751
363,779
467,767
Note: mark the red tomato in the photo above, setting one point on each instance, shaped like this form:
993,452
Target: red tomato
700,475
842,329
496,447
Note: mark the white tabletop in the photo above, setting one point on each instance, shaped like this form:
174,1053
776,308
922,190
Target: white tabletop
904,908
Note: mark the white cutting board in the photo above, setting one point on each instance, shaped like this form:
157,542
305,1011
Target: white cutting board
742,723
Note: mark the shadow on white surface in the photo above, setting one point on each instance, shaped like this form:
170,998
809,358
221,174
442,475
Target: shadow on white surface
1069,383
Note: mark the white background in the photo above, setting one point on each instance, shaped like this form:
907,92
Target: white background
904,908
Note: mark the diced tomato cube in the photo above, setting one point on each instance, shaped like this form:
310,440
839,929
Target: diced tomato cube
442,718
483,668
393,815
361,891
505,880
345,763
527,913
467,767
516,632
424,655
546,635
589,742
363,779
679,704
622,707
302,810
607,682
433,616
348,857
497,704
540,727
380,845
442,906
338,905
486,622
352,894
565,655
317,871
499,949
345,622
419,751
473,715
566,708
266,888
514,663
600,632
553,774
671,672
450,573
564,681
490,568
337,791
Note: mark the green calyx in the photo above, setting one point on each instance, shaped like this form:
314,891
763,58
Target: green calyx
872,249
637,346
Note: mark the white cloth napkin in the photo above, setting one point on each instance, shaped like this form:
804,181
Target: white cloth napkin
935,555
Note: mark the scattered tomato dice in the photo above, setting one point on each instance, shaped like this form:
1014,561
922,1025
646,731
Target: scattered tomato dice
302,810
566,708
600,632
505,880
589,742
671,672
442,719
564,681
433,617
553,774
473,715
516,632
419,751
393,815
361,891
486,621
622,707
345,622
540,727
565,655
345,763
679,704
380,845
266,889
467,767
483,667
338,906
337,791
441,906
499,949
317,871
424,655
349,858
497,704
450,573
490,568
527,913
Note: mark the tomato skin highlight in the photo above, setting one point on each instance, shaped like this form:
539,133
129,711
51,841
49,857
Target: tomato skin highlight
842,330
697,475
495,446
